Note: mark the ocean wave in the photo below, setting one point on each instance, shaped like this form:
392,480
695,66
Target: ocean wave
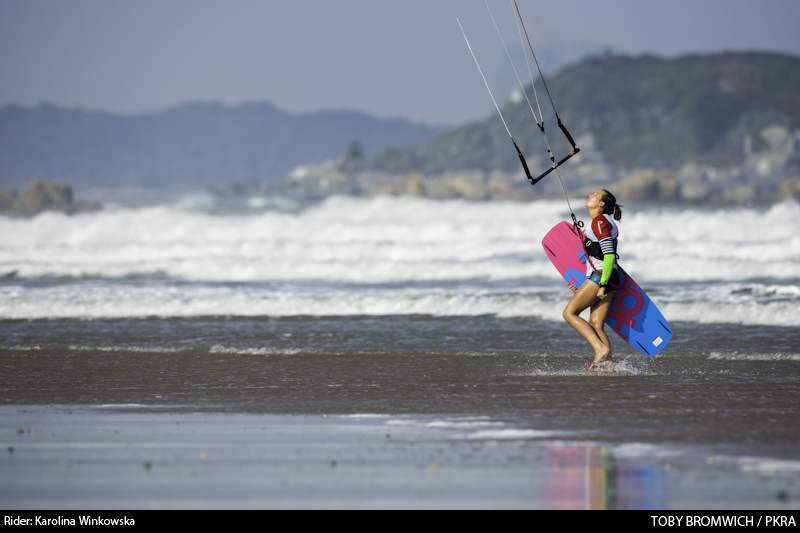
734,303
386,256
383,240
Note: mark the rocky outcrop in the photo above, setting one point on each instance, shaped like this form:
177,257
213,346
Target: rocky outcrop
7,198
765,174
644,185
461,185
769,173
43,196
314,182
790,189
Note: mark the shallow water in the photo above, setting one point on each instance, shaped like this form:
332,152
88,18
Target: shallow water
730,389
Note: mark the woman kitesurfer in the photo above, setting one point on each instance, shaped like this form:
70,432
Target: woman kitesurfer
599,290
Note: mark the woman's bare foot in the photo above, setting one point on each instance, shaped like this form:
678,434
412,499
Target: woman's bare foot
602,357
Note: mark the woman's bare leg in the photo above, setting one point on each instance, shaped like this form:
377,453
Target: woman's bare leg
597,319
585,297
599,314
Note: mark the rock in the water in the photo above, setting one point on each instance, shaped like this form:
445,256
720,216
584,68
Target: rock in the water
43,196
7,198
790,189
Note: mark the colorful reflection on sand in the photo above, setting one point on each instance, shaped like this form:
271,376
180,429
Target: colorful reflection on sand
587,477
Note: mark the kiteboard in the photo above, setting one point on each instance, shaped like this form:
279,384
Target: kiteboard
633,316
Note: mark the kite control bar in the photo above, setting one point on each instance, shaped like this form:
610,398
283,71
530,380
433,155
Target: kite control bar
555,166
575,150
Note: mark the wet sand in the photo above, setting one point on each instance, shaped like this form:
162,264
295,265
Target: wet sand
464,413
129,457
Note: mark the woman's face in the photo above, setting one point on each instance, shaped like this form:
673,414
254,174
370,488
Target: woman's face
595,200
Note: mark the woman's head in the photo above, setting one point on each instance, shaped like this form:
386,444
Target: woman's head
606,202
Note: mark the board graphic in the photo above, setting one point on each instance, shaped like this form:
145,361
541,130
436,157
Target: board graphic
633,316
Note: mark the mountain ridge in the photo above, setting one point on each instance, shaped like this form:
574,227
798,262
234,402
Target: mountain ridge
183,147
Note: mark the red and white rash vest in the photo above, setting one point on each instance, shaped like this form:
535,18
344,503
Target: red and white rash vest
604,230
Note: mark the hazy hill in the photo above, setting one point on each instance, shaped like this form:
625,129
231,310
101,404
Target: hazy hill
185,147
638,112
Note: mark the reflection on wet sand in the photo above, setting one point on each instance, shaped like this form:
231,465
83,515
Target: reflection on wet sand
587,477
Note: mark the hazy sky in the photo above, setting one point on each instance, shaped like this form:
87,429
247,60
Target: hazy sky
404,58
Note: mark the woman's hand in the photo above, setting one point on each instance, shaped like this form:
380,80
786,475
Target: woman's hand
601,292
573,288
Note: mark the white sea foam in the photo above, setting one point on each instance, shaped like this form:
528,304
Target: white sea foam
455,423
251,351
635,450
385,256
352,240
517,434
19,348
766,465
121,301
123,406
389,240
140,349
463,424
728,356
721,303
364,416
401,422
